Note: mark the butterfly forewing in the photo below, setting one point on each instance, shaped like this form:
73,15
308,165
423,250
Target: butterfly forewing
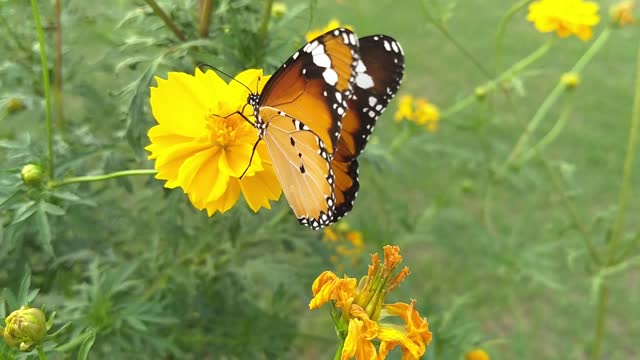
313,85
378,78
300,111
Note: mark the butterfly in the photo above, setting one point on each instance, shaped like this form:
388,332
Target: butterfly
316,113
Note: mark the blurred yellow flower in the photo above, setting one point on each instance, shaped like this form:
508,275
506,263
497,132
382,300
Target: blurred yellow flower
565,17
203,146
405,108
570,80
363,313
622,13
477,354
419,111
333,24
344,243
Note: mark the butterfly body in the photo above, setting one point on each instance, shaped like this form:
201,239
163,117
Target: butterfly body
299,115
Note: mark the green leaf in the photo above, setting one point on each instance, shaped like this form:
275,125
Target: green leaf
44,230
138,123
83,353
52,209
25,211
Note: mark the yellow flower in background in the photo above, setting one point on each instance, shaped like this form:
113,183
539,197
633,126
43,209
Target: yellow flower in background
419,111
565,17
427,114
333,24
365,320
201,146
344,243
278,9
477,354
405,108
622,13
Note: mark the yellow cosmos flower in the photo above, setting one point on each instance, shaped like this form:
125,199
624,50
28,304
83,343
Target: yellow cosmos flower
622,13
477,354
333,24
565,17
363,317
202,145
405,108
419,111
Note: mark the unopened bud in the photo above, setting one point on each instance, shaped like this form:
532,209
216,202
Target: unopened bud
25,328
278,10
570,80
31,174
14,105
480,92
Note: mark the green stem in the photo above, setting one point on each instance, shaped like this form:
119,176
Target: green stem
552,134
553,97
47,86
41,354
573,212
501,28
338,354
167,20
618,223
443,30
493,84
264,26
205,17
57,66
113,175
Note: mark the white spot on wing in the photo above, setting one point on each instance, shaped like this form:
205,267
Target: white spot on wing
364,81
331,76
372,100
386,45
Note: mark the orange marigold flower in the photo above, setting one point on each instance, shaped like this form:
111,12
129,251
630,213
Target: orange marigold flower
202,145
622,13
333,24
362,321
565,17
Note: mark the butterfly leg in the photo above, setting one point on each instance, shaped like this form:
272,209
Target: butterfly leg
253,151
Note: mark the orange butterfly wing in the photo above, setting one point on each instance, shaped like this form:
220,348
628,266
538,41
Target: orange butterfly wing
299,117
378,78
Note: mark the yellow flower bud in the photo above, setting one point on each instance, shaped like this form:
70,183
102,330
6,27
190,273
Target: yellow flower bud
570,80
278,9
31,174
467,186
622,13
25,328
14,105
480,92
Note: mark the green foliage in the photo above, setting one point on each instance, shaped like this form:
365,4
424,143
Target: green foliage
510,256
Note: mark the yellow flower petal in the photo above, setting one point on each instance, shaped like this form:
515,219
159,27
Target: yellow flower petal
260,188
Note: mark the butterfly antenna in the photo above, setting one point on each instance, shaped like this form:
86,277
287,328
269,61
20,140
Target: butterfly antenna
225,74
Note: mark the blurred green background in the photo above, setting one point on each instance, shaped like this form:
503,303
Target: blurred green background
498,265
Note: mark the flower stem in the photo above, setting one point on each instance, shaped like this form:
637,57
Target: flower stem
41,354
57,67
553,97
113,175
47,87
443,30
492,84
264,26
501,28
338,354
167,20
206,6
553,133
618,223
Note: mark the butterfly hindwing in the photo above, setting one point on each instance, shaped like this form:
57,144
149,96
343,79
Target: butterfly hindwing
378,77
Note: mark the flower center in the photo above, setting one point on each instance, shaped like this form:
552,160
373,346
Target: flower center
223,131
